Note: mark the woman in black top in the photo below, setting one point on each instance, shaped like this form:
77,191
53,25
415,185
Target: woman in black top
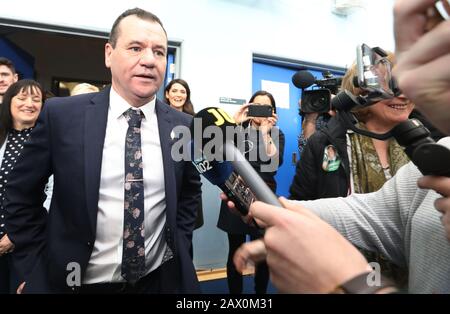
177,95
263,147
21,106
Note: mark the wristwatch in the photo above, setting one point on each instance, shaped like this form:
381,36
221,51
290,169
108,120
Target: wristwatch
360,285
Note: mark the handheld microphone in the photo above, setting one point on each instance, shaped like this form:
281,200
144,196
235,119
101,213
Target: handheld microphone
221,162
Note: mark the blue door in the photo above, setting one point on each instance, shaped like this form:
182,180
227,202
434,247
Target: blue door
170,75
289,120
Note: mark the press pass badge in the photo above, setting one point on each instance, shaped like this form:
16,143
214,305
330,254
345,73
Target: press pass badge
331,159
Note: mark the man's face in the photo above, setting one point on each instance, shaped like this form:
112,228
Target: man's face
7,78
138,62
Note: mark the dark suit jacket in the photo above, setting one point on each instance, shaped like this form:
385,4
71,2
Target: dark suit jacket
68,143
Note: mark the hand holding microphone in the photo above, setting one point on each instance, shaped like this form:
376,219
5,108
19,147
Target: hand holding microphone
294,246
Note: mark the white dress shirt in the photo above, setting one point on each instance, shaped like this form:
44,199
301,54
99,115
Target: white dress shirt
105,262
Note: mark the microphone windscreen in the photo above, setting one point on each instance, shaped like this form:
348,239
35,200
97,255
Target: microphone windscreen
303,79
211,117
214,116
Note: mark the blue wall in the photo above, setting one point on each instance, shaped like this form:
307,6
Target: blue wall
23,61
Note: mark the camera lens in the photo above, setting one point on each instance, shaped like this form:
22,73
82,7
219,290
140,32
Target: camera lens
316,101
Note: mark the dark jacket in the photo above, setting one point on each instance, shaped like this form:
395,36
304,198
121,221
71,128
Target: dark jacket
311,181
233,223
68,143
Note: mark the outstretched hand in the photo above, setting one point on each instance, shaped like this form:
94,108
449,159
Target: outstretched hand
304,253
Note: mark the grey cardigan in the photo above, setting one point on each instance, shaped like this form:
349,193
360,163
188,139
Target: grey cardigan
399,221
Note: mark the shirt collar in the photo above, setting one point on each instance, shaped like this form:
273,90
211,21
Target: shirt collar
118,105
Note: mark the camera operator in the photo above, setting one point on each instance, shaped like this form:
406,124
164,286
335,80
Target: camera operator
362,164
399,219
311,123
316,111
316,108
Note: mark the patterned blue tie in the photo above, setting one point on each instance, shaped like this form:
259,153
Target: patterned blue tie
133,257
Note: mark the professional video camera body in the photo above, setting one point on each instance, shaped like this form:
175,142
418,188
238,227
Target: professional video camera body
317,99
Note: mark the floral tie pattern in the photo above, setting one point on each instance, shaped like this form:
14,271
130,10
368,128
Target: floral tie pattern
133,257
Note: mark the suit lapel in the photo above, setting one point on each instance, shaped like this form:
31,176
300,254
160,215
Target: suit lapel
96,116
165,126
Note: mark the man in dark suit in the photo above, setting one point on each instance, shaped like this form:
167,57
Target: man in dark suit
122,210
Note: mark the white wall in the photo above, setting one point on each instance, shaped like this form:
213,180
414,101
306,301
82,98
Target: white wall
219,36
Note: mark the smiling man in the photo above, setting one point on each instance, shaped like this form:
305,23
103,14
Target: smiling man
123,210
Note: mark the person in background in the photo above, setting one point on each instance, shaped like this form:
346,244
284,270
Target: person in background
8,76
312,122
259,137
361,164
22,104
178,95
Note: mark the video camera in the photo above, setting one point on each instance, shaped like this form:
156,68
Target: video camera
317,99
330,82
375,78
374,74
